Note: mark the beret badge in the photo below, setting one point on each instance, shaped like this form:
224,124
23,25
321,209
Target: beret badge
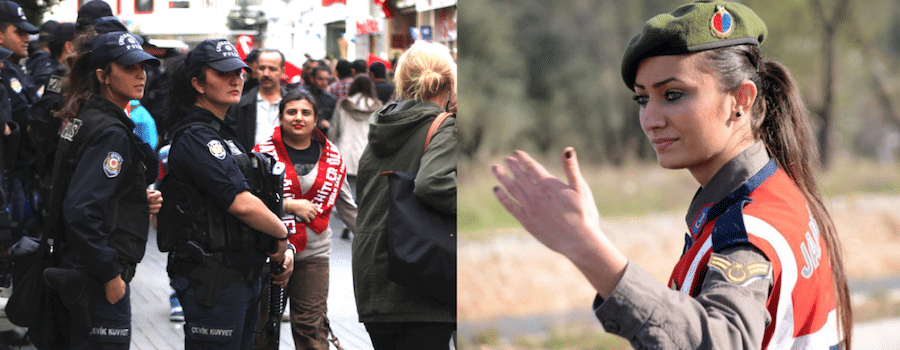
721,23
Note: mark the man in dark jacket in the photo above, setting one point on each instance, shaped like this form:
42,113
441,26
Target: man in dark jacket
256,115
384,88
318,86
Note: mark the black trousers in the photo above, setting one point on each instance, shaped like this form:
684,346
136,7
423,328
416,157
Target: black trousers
410,335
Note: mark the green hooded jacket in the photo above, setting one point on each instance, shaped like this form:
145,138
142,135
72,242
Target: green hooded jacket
396,139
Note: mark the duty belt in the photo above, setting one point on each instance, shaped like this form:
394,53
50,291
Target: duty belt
210,277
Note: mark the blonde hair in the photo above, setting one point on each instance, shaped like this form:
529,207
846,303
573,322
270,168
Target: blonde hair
425,70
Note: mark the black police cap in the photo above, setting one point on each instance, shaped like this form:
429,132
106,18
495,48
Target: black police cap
91,11
63,32
109,24
10,12
217,53
121,47
47,29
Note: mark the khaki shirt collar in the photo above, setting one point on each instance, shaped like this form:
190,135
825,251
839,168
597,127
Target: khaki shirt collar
732,175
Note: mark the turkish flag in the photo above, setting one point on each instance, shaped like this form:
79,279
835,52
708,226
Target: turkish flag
371,58
292,73
244,45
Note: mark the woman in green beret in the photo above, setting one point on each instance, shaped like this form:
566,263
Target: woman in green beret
762,266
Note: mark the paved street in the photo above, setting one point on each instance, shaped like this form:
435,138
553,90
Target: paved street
150,304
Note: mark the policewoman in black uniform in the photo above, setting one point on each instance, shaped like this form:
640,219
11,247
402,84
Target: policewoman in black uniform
218,233
104,169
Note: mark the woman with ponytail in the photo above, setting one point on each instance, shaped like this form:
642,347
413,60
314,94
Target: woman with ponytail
100,206
217,231
395,316
761,266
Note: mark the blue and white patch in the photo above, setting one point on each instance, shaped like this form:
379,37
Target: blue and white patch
16,85
112,165
216,149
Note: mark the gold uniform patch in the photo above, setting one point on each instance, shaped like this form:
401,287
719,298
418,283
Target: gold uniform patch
739,273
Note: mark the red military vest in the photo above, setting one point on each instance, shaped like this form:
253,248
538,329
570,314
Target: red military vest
769,212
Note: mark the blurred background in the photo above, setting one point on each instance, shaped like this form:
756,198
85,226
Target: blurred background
540,75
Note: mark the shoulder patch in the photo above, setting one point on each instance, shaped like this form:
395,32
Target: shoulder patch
234,148
54,84
112,164
70,129
216,149
739,273
16,85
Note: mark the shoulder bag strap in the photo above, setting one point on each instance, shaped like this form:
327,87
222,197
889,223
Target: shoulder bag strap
434,126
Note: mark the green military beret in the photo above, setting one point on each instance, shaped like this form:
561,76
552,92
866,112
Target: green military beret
703,25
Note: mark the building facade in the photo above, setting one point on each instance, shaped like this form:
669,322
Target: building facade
349,29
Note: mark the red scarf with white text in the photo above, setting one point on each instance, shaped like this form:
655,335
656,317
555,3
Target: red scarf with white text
324,191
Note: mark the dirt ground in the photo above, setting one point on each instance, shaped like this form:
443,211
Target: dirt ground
514,275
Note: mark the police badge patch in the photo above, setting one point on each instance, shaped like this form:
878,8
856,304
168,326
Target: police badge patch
216,149
112,165
16,85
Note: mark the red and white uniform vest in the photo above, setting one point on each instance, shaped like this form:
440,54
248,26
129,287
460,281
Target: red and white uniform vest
769,212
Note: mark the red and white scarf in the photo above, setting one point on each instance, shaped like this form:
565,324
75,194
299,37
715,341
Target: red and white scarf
324,191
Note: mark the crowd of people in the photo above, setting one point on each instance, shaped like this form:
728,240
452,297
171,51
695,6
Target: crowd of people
120,142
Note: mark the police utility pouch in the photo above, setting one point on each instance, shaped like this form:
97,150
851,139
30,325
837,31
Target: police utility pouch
265,177
421,241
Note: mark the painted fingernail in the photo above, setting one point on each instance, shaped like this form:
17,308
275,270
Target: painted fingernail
569,154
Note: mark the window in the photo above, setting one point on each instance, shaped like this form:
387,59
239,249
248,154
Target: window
179,4
143,6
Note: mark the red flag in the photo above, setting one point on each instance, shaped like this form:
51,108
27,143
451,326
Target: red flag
371,58
244,45
385,8
292,73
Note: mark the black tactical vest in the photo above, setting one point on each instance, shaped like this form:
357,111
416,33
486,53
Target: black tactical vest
126,220
191,225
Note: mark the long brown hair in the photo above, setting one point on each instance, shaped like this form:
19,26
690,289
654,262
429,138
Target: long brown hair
81,82
781,121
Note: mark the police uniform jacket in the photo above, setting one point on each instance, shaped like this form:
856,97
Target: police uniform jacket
105,213
20,88
203,159
754,274
39,67
396,139
44,125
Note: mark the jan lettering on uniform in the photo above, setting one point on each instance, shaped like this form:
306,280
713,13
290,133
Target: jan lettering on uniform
811,250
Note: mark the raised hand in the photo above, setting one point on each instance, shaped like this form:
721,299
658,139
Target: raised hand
563,216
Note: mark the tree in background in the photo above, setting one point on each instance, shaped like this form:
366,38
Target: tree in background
35,9
540,75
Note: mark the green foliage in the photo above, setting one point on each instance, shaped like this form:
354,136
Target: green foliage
540,75
34,9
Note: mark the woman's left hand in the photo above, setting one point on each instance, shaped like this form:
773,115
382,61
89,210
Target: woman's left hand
301,208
